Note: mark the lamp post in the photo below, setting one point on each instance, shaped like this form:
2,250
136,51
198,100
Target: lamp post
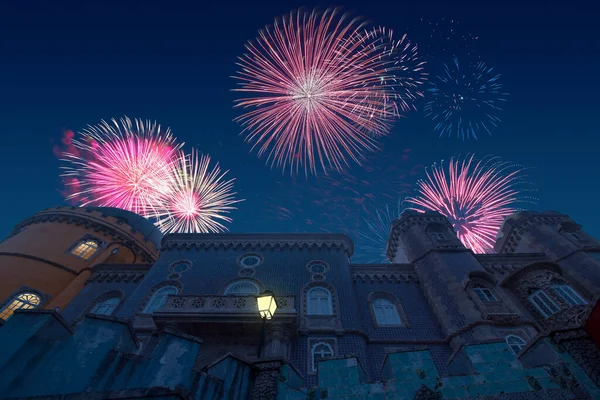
266,306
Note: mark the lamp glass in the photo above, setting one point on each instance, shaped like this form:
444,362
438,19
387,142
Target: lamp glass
266,305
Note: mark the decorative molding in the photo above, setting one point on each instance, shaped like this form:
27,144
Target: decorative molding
255,241
98,225
127,273
391,273
42,260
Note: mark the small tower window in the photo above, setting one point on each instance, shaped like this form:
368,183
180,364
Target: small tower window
516,343
569,295
574,236
320,351
243,288
386,313
22,301
85,249
160,298
438,235
319,301
543,303
107,307
484,294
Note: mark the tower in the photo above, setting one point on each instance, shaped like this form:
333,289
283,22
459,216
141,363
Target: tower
48,257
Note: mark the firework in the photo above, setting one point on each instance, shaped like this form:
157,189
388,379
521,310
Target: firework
372,243
198,199
474,195
321,89
123,164
465,100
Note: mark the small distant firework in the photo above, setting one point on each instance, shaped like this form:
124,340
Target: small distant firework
322,89
198,198
372,243
123,164
465,100
474,195
441,39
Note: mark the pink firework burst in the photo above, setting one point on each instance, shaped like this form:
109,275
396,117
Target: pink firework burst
474,195
321,88
198,199
123,164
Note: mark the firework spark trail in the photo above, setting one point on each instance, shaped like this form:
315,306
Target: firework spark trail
372,243
465,100
321,89
474,195
123,164
199,197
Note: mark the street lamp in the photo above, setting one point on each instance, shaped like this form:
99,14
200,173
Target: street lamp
266,305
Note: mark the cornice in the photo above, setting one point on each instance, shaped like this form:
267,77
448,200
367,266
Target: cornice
383,273
509,262
91,222
257,241
512,229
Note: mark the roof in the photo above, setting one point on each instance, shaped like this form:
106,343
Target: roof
135,221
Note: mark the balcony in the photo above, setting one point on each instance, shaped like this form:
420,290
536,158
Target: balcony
195,309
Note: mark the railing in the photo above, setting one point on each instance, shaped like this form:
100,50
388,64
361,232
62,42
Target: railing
238,305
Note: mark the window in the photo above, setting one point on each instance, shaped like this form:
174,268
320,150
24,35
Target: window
107,307
180,267
543,303
250,261
516,343
160,298
319,301
438,235
385,312
317,267
569,295
574,236
320,351
242,288
484,294
85,249
22,301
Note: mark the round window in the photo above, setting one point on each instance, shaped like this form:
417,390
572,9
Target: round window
250,261
180,267
317,268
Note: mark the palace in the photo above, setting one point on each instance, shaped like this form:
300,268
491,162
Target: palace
96,304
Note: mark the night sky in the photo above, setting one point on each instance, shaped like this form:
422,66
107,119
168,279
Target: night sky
66,65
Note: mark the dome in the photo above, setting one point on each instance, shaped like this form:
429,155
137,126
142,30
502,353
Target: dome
135,221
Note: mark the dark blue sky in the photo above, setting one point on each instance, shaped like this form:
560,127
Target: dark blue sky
66,65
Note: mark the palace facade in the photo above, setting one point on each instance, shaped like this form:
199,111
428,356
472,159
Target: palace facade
97,305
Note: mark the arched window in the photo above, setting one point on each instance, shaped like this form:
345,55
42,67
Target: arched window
569,295
543,303
386,312
484,294
107,307
516,343
85,249
243,288
160,298
319,352
22,301
319,301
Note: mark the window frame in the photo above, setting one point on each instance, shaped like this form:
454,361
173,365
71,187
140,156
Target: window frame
314,362
84,242
573,295
390,305
104,303
154,296
226,292
484,298
520,345
15,297
574,236
310,310
438,236
539,294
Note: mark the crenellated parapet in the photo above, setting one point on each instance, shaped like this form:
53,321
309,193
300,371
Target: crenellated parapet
258,241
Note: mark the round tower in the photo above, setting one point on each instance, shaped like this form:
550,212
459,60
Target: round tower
48,257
